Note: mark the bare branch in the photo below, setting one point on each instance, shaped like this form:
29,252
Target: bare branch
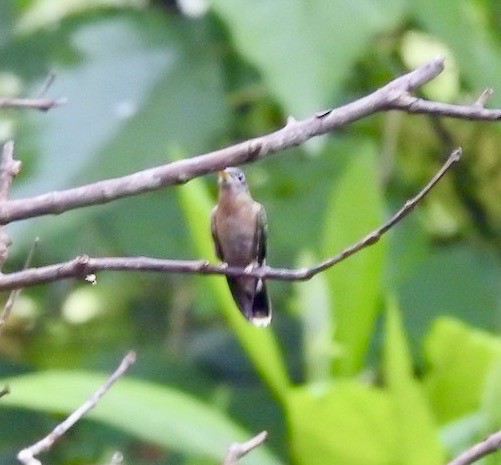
8,169
239,449
27,456
49,80
83,266
484,96
14,294
393,96
37,103
42,104
489,445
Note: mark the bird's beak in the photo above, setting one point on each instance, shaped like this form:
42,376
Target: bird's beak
222,175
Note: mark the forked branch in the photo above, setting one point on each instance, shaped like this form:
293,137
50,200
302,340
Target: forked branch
82,266
394,96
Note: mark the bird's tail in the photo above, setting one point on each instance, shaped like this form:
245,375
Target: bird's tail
261,307
251,297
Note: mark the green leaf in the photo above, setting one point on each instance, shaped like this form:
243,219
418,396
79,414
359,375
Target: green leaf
418,440
153,413
305,50
313,308
491,400
477,51
259,343
44,13
418,48
461,359
355,209
345,423
491,406
470,283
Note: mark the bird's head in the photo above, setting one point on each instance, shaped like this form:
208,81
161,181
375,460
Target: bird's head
233,179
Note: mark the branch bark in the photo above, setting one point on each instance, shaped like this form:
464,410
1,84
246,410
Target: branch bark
14,294
42,104
84,266
489,445
39,102
239,449
27,456
393,96
8,169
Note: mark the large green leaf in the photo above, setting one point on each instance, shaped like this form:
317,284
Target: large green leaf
468,291
461,359
418,440
153,413
355,209
345,423
314,310
305,49
259,343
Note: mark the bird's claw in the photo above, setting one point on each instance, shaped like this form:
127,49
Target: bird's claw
249,268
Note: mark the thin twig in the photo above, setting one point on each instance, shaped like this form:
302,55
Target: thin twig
37,103
393,96
116,459
42,104
14,294
27,456
83,265
484,96
238,449
375,235
49,80
489,445
5,390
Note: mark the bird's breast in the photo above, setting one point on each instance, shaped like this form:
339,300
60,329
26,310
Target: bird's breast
236,230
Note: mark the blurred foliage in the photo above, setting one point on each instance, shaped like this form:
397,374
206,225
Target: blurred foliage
392,357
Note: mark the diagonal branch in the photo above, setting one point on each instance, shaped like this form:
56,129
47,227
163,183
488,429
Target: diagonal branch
27,456
83,266
14,294
489,445
393,96
239,449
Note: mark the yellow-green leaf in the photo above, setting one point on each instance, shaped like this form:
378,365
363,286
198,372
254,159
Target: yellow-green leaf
418,441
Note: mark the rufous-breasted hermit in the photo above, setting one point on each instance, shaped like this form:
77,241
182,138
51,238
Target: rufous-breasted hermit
238,225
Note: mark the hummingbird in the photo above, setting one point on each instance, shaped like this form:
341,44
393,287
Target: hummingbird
239,230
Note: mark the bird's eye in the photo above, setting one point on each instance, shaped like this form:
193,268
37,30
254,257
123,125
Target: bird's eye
240,176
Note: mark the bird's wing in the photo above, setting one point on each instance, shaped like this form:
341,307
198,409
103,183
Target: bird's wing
260,313
213,230
261,235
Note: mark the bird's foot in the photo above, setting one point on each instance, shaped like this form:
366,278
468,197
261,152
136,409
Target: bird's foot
250,268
